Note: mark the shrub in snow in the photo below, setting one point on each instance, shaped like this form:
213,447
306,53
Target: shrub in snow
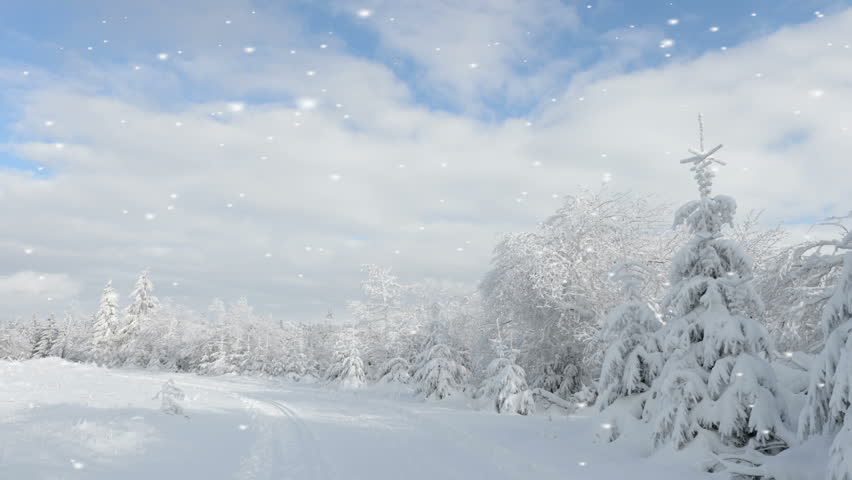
396,370
170,395
632,360
716,381
440,374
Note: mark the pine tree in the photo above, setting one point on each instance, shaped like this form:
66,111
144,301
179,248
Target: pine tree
105,326
395,371
716,381
505,383
348,369
440,374
633,358
142,305
47,337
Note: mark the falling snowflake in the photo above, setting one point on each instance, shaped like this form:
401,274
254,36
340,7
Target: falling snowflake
249,49
364,13
236,107
673,21
150,216
28,251
307,103
667,43
714,29
161,56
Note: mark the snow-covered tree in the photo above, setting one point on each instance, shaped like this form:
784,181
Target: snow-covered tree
48,335
395,371
142,306
551,284
382,321
105,326
440,374
716,382
348,370
840,454
505,382
829,394
633,358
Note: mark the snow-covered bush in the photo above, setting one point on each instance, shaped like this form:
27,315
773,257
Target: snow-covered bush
170,396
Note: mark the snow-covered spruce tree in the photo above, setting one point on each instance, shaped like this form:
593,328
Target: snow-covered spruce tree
829,393
348,370
105,326
142,306
47,338
440,374
716,382
395,371
633,358
505,383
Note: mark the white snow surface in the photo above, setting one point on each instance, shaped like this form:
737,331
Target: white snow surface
61,420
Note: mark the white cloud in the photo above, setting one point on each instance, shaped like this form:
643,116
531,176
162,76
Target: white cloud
36,287
462,175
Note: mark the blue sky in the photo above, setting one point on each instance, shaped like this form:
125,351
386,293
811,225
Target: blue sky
267,149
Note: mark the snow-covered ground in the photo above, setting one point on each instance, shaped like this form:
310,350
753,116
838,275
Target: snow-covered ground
60,420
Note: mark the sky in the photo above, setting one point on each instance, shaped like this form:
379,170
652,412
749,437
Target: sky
268,149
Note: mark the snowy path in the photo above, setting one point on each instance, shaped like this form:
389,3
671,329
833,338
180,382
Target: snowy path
65,421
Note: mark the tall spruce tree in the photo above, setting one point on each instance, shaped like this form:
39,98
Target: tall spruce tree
716,382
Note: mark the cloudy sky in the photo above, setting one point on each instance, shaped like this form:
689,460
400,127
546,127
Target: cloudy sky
268,148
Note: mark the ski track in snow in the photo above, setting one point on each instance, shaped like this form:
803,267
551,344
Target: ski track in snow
286,447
